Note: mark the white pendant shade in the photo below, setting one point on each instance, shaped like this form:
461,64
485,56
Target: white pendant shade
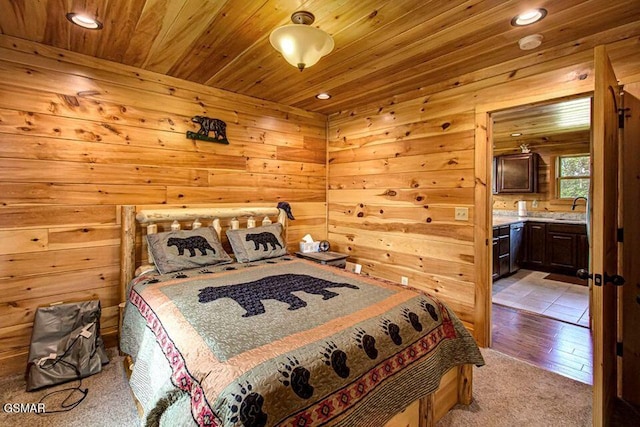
301,45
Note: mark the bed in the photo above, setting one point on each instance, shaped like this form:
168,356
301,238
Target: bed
279,340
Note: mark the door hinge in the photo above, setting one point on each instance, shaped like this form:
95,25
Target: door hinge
619,349
620,236
621,118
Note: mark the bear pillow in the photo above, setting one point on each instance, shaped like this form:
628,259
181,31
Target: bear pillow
184,249
253,244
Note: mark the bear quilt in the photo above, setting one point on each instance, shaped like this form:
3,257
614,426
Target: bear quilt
286,342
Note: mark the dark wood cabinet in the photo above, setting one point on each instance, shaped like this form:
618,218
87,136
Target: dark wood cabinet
508,249
561,250
516,173
501,251
567,247
556,247
543,246
536,243
582,258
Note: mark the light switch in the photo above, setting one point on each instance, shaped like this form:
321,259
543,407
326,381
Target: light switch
462,214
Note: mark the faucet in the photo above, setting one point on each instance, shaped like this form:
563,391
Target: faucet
575,202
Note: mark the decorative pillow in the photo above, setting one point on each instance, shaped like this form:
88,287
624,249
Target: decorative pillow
184,249
252,244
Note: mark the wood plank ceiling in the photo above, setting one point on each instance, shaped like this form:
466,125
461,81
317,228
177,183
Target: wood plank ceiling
547,124
384,48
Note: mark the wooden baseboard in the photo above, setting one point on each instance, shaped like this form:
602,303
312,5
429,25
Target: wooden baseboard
14,364
110,339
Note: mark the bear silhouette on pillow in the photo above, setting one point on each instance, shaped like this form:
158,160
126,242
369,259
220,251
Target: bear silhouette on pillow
190,244
265,239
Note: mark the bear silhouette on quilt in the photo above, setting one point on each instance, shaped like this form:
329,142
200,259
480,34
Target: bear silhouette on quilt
279,287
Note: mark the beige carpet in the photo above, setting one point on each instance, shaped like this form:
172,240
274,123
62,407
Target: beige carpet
507,392
108,403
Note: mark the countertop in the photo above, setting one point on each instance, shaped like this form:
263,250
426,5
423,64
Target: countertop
506,220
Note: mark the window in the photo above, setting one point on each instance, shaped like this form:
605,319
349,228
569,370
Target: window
573,176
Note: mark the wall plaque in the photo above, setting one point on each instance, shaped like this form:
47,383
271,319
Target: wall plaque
207,124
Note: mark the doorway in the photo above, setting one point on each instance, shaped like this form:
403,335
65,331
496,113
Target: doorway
541,176
614,124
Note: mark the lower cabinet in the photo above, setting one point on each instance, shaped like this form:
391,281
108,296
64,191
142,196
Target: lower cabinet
556,247
568,247
582,259
562,250
536,244
544,246
507,249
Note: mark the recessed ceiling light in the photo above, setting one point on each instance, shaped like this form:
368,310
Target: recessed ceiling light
84,21
516,134
323,96
529,17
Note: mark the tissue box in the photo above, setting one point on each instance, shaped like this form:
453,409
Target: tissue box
309,247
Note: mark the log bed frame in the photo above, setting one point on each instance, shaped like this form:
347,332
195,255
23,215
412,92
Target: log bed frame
455,385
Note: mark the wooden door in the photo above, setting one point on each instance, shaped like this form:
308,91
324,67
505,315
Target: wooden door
561,250
536,243
630,265
604,196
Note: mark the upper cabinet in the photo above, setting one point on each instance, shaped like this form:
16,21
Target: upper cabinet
516,173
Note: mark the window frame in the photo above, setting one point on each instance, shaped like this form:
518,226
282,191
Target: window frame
557,179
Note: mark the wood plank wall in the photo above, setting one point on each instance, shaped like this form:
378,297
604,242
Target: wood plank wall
398,168
548,149
80,136
395,177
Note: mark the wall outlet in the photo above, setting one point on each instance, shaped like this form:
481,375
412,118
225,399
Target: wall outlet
404,280
534,204
462,214
353,267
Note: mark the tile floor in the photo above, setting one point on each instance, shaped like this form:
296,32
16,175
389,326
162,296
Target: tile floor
529,290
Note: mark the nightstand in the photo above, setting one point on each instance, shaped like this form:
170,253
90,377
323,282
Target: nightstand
335,259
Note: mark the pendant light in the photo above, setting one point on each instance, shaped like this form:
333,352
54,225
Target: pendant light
300,44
